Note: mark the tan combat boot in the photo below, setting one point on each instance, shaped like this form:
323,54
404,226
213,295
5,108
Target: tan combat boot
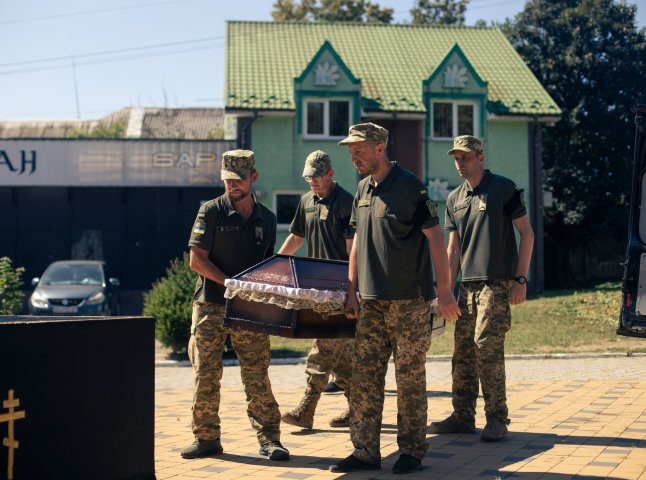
303,415
342,420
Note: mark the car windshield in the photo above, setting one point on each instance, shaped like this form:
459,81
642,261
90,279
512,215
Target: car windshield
73,275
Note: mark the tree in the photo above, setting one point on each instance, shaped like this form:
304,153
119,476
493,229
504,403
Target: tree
591,58
170,302
440,12
362,11
10,287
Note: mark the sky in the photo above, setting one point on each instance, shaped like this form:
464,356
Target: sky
84,59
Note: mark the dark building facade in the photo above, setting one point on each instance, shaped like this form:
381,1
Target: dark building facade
128,202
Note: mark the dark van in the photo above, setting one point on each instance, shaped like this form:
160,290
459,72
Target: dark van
632,320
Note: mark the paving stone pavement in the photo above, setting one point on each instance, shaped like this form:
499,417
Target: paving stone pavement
580,418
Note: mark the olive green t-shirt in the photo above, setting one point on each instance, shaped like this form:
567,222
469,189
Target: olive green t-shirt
393,258
233,244
483,218
324,223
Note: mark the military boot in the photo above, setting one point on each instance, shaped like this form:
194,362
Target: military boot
303,415
453,424
342,420
202,448
494,430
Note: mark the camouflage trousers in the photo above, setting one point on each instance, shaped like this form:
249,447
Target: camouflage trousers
330,355
205,348
479,350
400,327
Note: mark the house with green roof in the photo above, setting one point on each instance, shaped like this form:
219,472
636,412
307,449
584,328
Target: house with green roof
292,88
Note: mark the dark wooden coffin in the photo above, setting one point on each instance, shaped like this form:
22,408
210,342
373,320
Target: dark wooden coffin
298,272
77,397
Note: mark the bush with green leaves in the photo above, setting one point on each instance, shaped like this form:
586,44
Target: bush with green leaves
170,302
10,287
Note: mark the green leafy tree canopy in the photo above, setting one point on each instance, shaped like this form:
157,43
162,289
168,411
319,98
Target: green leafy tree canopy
362,11
439,12
591,57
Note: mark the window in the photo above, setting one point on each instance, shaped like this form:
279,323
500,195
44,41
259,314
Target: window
451,119
285,204
326,118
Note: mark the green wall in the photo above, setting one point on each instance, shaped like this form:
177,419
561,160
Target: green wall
506,153
281,152
280,156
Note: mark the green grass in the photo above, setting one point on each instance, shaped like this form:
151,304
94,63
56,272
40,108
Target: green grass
571,321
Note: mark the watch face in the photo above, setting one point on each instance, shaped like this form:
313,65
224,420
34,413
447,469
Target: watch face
521,280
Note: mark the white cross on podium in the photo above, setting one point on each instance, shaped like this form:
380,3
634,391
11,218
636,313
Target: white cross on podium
10,442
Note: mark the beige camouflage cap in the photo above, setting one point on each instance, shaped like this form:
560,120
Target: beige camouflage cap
316,164
366,132
237,164
467,143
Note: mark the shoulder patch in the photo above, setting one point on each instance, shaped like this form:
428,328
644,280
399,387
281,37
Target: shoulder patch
199,228
433,207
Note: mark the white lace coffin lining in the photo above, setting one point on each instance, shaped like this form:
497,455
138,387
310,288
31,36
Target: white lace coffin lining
321,301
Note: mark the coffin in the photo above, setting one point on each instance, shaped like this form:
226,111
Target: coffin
77,398
295,297
300,282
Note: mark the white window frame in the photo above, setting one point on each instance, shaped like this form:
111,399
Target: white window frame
282,227
454,114
326,117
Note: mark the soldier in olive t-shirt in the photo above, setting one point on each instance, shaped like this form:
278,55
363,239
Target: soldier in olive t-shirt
481,215
390,267
322,221
231,233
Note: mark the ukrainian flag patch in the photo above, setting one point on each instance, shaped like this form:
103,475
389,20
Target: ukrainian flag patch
199,229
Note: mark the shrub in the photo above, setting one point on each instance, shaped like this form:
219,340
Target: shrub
10,287
170,302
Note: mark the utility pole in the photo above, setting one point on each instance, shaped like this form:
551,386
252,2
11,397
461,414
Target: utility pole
76,90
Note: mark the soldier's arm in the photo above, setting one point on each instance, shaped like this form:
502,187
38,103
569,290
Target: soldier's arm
291,244
348,246
453,252
446,300
201,264
351,303
518,291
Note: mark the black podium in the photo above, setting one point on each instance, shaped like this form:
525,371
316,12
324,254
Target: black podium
77,398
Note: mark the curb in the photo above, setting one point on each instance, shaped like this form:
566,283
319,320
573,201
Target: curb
229,362
233,362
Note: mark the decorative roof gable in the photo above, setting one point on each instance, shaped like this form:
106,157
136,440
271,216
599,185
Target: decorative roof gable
327,71
455,74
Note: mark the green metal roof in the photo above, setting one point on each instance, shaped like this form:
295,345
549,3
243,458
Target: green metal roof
263,58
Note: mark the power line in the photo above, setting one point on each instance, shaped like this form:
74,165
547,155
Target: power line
107,60
111,52
89,12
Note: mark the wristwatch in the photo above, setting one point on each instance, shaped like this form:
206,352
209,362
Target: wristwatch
521,279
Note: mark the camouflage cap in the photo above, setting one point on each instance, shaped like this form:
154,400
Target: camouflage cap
467,143
237,164
366,132
316,164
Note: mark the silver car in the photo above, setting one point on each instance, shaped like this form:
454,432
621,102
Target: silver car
75,287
